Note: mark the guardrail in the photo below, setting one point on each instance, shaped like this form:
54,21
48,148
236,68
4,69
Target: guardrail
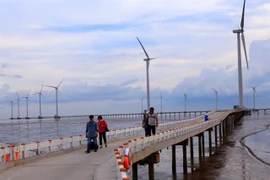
22,151
178,129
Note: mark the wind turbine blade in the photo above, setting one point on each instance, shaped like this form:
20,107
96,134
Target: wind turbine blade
243,16
41,88
50,86
29,92
43,97
143,48
60,82
256,92
245,49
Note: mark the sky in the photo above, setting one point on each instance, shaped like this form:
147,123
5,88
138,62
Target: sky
91,47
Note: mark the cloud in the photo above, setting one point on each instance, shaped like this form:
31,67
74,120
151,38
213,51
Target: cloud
93,45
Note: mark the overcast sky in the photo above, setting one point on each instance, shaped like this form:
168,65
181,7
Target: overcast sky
93,46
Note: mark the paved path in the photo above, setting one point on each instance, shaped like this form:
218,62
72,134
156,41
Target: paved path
76,165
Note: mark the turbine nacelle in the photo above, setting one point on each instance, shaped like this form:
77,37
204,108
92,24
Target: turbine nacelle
238,31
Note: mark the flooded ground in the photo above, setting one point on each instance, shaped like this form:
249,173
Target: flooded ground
245,155
32,130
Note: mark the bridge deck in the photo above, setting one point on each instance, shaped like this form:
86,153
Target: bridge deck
74,165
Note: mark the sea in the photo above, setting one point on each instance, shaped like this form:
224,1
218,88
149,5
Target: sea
245,154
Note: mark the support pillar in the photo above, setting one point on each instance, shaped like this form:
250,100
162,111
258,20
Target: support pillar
200,147
210,142
216,138
220,135
191,154
185,159
151,171
203,148
135,171
173,163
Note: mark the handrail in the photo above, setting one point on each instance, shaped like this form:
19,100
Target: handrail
138,144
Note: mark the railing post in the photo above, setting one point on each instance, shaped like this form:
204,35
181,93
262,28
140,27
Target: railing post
80,140
23,151
10,157
71,142
3,154
61,145
38,148
50,145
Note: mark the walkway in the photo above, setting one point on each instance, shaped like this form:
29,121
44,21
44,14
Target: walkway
75,165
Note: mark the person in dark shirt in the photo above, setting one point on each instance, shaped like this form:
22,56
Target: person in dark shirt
91,134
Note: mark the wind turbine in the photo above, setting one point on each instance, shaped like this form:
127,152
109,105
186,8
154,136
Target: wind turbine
27,99
216,93
18,100
240,78
160,100
56,96
40,94
142,104
11,104
254,91
185,99
147,60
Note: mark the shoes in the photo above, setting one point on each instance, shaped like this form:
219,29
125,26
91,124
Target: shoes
95,150
101,146
105,145
87,152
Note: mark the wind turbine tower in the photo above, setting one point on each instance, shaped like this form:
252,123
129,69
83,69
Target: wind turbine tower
160,101
216,93
240,78
142,104
56,97
27,99
254,92
185,101
18,101
40,94
11,104
147,60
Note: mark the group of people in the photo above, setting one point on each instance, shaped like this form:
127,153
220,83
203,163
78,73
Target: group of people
150,122
99,129
94,130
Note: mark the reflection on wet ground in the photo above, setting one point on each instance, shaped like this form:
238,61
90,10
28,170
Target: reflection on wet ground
232,161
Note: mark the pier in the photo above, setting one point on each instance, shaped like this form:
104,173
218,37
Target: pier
72,163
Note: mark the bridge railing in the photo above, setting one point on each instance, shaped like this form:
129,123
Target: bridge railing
21,151
178,129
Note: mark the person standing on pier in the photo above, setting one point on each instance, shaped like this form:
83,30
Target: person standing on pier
91,134
145,124
102,128
152,121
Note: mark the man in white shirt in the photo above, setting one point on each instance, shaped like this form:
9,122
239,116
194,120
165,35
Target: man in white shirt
152,121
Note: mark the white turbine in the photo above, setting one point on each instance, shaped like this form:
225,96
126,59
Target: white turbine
18,101
40,94
142,104
56,96
27,99
160,100
147,60
11,104
240,78
216,93
185,102
254,92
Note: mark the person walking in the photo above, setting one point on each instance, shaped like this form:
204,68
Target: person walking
91,134
152,121
145,124
102,128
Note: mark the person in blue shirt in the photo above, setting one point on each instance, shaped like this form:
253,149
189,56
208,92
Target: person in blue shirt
91,133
